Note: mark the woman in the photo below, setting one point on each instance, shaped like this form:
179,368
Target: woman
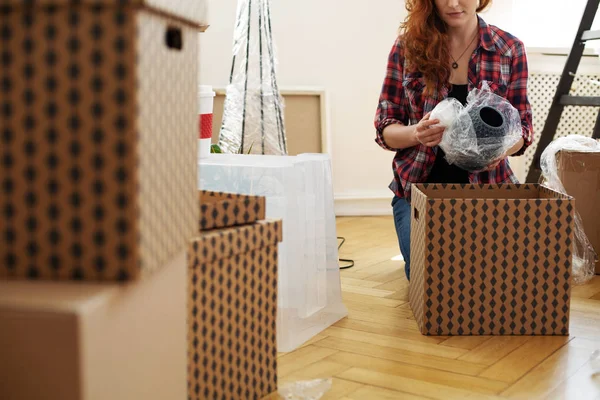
445,49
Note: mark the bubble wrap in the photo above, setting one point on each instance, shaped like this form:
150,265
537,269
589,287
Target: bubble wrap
480,133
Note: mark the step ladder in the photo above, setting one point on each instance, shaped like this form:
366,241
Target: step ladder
562,97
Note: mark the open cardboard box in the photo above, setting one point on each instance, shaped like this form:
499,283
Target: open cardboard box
232,312
491,259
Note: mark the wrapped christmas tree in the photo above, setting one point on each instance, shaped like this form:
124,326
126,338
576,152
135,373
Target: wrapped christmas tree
253,120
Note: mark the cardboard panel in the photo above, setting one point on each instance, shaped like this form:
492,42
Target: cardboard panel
493,266
49,361
98,139
580,175
168,121
232,314
419,251
221,210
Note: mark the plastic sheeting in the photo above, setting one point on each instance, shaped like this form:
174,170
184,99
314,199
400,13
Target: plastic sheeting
584,256
253,111
299,190
479,134
305,390
595,361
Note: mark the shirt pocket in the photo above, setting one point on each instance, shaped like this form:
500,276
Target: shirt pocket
500,79
499,88
413,90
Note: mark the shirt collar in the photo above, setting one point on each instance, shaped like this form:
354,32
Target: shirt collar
485,32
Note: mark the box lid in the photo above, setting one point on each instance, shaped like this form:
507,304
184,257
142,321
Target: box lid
221,210
217,244
190,11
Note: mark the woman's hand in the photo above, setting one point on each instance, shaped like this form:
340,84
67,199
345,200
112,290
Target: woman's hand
508,153
426,134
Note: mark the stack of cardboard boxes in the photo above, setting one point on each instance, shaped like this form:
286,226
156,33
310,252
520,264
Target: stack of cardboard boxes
99,196
232,299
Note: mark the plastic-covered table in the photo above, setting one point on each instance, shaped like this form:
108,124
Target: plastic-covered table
298,190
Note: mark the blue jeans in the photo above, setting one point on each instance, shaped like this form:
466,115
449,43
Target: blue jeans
402,217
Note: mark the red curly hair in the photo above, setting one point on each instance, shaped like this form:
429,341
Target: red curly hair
426,42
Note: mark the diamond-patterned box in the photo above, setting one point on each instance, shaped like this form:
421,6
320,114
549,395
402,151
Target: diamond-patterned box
98,123
232,312
579,173
491,259
222,210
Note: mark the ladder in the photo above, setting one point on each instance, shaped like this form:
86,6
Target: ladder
562,97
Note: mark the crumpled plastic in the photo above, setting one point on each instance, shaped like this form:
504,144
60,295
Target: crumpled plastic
305,390
480,133
584,255
595,361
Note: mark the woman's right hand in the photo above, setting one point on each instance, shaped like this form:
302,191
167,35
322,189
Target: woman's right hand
426,134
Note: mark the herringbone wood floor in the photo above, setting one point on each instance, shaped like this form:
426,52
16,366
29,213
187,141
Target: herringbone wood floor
378,353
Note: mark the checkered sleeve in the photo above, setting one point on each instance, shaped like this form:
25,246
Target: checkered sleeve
517,92
391,107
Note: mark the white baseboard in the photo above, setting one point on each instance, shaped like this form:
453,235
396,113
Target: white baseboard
362,205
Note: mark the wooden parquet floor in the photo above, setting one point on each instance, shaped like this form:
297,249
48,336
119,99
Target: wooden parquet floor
378,353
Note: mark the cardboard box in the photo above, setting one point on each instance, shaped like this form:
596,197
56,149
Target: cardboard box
232,312
99,135
579,173
491,259
86,341
222,210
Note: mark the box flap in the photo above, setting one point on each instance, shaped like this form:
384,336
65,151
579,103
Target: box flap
510,191
190,11
216,244
221,210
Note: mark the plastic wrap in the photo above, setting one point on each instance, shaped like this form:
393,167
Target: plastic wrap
479,134
584,256
298,190
305,390
253,111
595,361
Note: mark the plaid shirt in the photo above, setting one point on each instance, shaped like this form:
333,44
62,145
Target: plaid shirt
499,59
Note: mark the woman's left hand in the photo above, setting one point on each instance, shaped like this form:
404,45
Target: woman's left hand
495,164
508,153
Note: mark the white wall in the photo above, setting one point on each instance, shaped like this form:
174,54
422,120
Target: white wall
341,46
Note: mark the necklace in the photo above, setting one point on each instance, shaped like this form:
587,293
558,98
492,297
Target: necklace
455,63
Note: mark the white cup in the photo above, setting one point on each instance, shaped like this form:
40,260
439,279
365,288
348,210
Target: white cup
206,98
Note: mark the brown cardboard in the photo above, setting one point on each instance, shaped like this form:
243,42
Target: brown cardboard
232,312
86,341
221,210
491,259
99,131
579,173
